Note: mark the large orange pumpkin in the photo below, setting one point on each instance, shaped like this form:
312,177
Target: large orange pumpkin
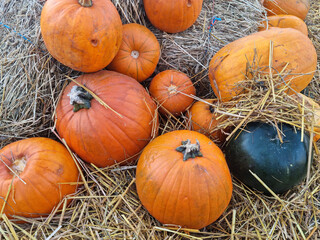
182,178
84,35
105,135
292,50
285,21
40,172
205,119
172,16
297,8
173,90
139,52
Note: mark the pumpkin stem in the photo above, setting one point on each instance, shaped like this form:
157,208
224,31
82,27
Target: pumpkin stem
189,150
135,54
18,165
85,3
79,98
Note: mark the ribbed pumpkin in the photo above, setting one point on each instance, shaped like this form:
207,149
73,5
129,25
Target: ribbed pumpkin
182,178
173,90
105,135
139,52
291,49
285,21
204,119
172,16
40,172
297,8
84,35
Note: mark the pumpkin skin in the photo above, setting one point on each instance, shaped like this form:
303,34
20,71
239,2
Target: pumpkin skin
228,66
43,164
172,16
191,193
297,8
311,104
85,39
139,52
99,135
166,88
280,166
204,120
285,21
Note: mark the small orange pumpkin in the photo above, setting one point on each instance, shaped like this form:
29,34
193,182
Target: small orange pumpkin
40,172
84,35
297,8
291,49
173,90
106,135
182,178
139,52
204,119
285,21
172,16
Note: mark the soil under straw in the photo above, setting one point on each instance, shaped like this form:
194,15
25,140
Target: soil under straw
106,205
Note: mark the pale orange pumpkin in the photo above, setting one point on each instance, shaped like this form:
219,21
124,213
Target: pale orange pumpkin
84,35
139,52
40,172
297,8
172,16
173,90
182,178
292,50
284,21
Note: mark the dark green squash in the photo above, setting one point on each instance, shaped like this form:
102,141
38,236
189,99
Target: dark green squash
258,148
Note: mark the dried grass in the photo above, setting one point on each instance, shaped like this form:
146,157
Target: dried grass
106,205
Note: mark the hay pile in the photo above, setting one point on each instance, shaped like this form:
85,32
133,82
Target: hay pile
107,205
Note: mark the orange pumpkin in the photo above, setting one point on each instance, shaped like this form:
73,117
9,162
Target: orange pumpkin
285,21
297,8
311,104
84,35
291,49
205,120
40,172
182,178
105,135
173,90
172,16
139,52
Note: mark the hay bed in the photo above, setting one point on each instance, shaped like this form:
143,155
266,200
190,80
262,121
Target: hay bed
107,205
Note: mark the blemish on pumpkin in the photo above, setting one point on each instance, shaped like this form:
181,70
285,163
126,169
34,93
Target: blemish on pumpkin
135,54
189,3
19,165
59,171
94,42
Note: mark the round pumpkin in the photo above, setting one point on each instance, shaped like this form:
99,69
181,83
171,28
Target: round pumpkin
205,119
280,165
111,133
139,52
182,178
284,21
84,35
173,90
297,8
172,16
292,50
312,105
37,173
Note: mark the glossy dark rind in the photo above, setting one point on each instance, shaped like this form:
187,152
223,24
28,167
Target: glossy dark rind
281,166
